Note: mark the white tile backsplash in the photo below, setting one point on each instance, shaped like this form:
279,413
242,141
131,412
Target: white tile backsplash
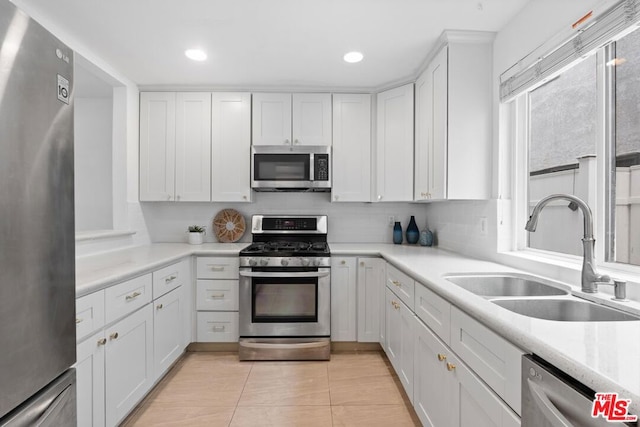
348,222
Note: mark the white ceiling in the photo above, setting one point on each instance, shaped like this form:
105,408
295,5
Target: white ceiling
268,43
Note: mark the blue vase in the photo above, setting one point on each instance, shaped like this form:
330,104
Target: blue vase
413,234
397,233
426,237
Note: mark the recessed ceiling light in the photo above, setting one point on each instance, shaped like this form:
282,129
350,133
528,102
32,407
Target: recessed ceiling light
195,54
353,57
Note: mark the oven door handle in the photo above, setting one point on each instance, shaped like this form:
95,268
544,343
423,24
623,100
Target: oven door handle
283,274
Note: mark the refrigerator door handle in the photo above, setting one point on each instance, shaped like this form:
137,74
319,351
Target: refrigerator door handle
551,413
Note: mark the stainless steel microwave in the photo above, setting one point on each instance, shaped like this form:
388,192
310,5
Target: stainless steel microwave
291,168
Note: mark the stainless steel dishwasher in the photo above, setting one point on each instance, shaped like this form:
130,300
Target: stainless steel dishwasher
551,398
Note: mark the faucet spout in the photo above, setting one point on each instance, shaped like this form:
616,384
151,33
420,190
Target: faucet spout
590,277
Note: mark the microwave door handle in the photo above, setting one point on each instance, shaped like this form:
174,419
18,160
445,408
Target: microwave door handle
542,401
283,274
312,170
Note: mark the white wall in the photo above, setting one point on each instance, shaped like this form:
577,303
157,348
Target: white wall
93,165
348,222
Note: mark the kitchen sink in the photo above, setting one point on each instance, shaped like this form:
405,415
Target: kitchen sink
564,309
504,285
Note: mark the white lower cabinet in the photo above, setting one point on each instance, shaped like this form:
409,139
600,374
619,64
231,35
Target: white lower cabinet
217,289
168,315
448,393
370,280
343,299
399,343
90,381
463,374
128,363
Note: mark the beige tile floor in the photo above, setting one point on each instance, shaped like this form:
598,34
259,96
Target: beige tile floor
215,389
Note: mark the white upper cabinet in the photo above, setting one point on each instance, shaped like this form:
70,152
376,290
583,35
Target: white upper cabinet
453,119
394,147
193,146
312,118
231,147
157,145
286,119
351,148
175,144
271,118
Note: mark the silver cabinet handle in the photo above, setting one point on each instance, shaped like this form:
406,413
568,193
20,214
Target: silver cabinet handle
79,320
102,341
170,279
169,197
113,336
132,296
217,296
218,328
296,141
160,306
216,267
379,197
286,141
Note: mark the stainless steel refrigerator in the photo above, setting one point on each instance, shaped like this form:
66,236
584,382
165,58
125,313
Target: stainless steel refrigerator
37,244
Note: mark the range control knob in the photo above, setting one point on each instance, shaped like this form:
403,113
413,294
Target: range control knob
253,262
304,262
264,261
284,262
316,262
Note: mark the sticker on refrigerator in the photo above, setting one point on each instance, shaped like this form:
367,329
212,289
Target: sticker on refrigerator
63,89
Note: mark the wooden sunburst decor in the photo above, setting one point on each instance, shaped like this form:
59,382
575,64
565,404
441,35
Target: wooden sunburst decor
228,226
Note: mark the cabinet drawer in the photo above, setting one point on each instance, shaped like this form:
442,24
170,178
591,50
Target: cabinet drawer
401,285
89,314
217,295
491,357
168,278
217,268
434,311
217,326
127,297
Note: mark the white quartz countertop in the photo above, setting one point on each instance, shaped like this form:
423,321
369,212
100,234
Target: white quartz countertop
602,355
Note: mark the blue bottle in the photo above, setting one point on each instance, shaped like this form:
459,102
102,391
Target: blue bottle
397,233
413,234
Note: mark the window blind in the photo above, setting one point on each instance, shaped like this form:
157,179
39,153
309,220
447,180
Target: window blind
584,40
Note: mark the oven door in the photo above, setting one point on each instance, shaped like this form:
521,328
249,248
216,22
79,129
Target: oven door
285,302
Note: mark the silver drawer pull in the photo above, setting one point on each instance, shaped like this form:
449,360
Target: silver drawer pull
160,306
170,279
113,336
133,296
102,341
217,296
216,267
218,328
79,320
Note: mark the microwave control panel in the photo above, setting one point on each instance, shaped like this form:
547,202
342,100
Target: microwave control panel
321,167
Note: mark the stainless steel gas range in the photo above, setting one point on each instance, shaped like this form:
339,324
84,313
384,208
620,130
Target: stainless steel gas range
285,290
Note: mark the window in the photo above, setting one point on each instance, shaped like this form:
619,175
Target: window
582,117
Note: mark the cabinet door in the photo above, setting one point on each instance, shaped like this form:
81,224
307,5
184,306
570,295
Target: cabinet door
405,373
157,146
393,328
371,274
311,118
394,148
271,119
167,330
90,380
343,299
430,175
128,363
433,384
477,405
231,147
351,175
193,146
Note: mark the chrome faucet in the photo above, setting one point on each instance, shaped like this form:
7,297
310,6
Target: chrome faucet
590,277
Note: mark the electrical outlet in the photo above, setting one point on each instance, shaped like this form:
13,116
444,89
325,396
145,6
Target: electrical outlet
483,226
392,220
